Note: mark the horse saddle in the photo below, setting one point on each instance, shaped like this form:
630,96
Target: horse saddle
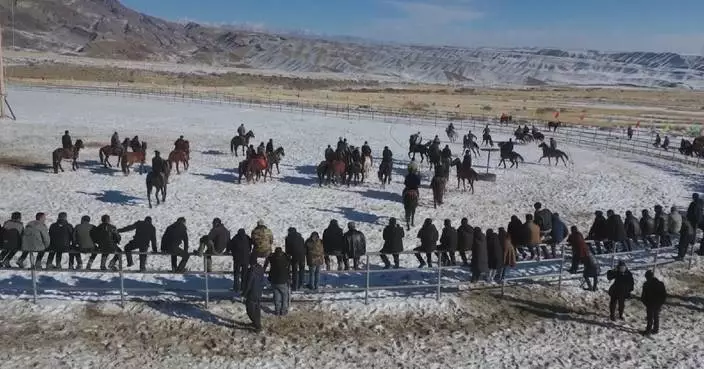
410,193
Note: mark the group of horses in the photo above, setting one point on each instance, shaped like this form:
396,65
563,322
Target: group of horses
257,167
341,167
694,148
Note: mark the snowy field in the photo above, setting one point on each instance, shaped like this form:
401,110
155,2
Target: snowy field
401,330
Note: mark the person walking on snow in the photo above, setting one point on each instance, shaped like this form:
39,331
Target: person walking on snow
620,290
653,297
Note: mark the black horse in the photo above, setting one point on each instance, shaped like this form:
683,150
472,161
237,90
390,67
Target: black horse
421,149
554,126
384,173
552,153
159,182
410,203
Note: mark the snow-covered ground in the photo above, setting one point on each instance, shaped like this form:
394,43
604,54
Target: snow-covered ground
400,330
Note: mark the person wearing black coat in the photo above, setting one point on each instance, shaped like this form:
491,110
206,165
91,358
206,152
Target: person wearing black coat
661,227
60,240
144,234
695,211
543,218
620,289
518,235
653,297
106,237
465,240
428,236
480,257
241,249
687,233
495,255
393,243
279,276
633,232
171,240
647,228
11,238
295,247
215,243
334,244
616,230
252,293
599,231
558,233
355,246
448,243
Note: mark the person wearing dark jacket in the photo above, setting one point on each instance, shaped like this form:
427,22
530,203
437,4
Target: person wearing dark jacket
579,248
106,237
543,218
448,243
428,236
660,227
495,255
695,211
465,240
144,234
599,231
215,243
591,271
647,228
84,243
653,297
558,233
159,165
295,247
279,274
480,257
620,290
687,233
616,230
355,246
516,232
252,292
171,240
66,142
334,244
61,240
393,243
11,238
241,249
633,232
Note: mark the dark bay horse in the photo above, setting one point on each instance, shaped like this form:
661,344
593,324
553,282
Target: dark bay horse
274,159
512,157
158,182
410,204
129,158
553,153
553,126
61,154
421,149
465,174
181,154
238,141
355,173
467,143
438,184
384,173
451,134
106,151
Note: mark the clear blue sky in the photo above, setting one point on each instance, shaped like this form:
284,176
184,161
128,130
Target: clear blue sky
659,25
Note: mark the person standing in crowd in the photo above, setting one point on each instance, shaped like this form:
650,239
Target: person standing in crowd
598,232
315,258
393,243
517,233
558,233
11,239
543,218
106,237
633,232
661,227
295,248
171,240
509,251
35,238
144,234
448,244
591,270
279,273
495,255
695,211
262,239
428,236
252,292
61,239
355,246
653,297
674,223
465,240
82,236
580,250
687,234
480,257
241,249
615,230
647,228
532,231
620,289
334,243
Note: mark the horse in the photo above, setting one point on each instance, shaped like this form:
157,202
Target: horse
322,171
471,145
158,182
106,151
410,203
129,158
553,153
438,184
512,156
60,154
238,141
384,173
465,174
505,119
451,134
538,136
686,147
355,172
434,156
336,169
554,126
486,140
180,155
274,158
256,167
366,164
421,149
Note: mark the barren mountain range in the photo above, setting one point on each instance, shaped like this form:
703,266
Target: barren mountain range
107,29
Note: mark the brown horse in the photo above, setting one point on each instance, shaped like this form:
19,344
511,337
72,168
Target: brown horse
129,158
336,171
158,182
438,184
465,174
238,141
274,159
253,169
106,151
61,154
181,154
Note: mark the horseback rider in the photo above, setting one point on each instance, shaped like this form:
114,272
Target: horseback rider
270,146
329,153
135,144
526,130
533,130
553,143
159,164
241,131
126,143
508,146
630,132
411,182
179,143
415,139
115,141
250,151
66,141
386,155
446,152
471,136
436,140
340,145
467,160
657,140
486,130
356,155
261,149
451,128
366,150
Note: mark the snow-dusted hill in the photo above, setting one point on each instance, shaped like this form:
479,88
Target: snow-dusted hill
106,28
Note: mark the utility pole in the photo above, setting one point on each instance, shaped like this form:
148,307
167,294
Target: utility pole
4,106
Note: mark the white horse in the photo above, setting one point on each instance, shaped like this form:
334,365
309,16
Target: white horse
366,165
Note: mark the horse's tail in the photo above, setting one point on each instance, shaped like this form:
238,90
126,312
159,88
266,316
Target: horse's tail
520,157
562,153
101,155
55,161
232,146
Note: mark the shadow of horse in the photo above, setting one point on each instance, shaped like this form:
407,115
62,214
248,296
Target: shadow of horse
382,195
213,152
227,177
353,215
96,167
301,181
113,197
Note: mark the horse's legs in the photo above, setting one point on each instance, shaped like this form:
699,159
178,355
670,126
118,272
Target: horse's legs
277,169
149,194
163,193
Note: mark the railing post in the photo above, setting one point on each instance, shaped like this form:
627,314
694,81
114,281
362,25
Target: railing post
562,267
122,282
439,261
655,259
207,289
366,289
34,276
